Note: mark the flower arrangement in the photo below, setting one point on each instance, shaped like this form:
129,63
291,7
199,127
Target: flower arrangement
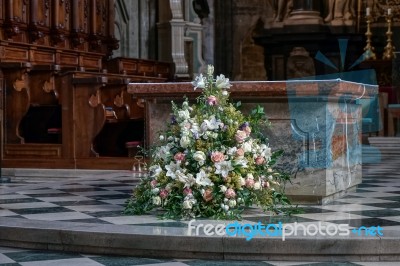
212,161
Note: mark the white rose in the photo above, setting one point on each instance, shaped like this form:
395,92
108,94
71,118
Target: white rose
232,203
247,146
222,188
199,156
250,176
242,181
257,185
162,137
187,204
185,141
155,190
168,187
157,200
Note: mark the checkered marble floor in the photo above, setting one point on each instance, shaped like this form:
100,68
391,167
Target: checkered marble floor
100,199
22,257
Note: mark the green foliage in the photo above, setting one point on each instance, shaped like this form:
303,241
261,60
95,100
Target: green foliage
212,161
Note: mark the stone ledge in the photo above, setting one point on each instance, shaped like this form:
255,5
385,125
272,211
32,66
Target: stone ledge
174,242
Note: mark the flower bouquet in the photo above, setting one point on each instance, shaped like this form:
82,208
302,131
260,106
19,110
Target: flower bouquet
212,161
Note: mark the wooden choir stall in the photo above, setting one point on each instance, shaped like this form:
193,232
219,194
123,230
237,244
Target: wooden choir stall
64,100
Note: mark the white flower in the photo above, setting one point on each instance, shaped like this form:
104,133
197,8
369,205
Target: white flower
222,82
199,157
155,170
250,176
155,190
222,188
223,168
188,204
184,114
199,82
246,146
202,179
210,70
164,152
232,203
232,151
157,200
184,142
225,93
162,137
242,181
210,124
168,187
242,162
257,185
172,168
188,179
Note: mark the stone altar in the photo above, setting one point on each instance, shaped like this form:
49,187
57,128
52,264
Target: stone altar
316,123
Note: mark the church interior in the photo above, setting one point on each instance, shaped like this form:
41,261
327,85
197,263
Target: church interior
59,55
84,84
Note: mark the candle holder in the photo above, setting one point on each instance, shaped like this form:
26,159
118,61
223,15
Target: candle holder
369,49
388,53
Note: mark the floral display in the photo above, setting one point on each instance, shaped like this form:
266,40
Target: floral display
212,161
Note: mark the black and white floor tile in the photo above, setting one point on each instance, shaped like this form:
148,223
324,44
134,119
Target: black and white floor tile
100,199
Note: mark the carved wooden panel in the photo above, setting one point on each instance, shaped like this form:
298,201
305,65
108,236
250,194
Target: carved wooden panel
60,25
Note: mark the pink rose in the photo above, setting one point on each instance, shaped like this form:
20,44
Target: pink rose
207,196
240,136
212,100
153,183
247,129
230,193
217,157
163,193
260,160
249,182
240,152
187,191
179,156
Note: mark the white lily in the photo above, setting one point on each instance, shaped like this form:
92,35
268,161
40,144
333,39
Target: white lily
222,82
223,168
202,179
172,168
199,82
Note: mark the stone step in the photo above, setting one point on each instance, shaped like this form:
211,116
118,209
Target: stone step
150,241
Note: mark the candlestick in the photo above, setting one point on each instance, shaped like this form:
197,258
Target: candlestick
389,49
369,53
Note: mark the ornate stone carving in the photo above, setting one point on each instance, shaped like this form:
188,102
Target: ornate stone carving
341,12
300,64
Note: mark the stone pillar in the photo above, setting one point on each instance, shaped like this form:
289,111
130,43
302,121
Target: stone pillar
305,12
171,33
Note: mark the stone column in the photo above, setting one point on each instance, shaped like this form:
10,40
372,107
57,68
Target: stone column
171,33
305,12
